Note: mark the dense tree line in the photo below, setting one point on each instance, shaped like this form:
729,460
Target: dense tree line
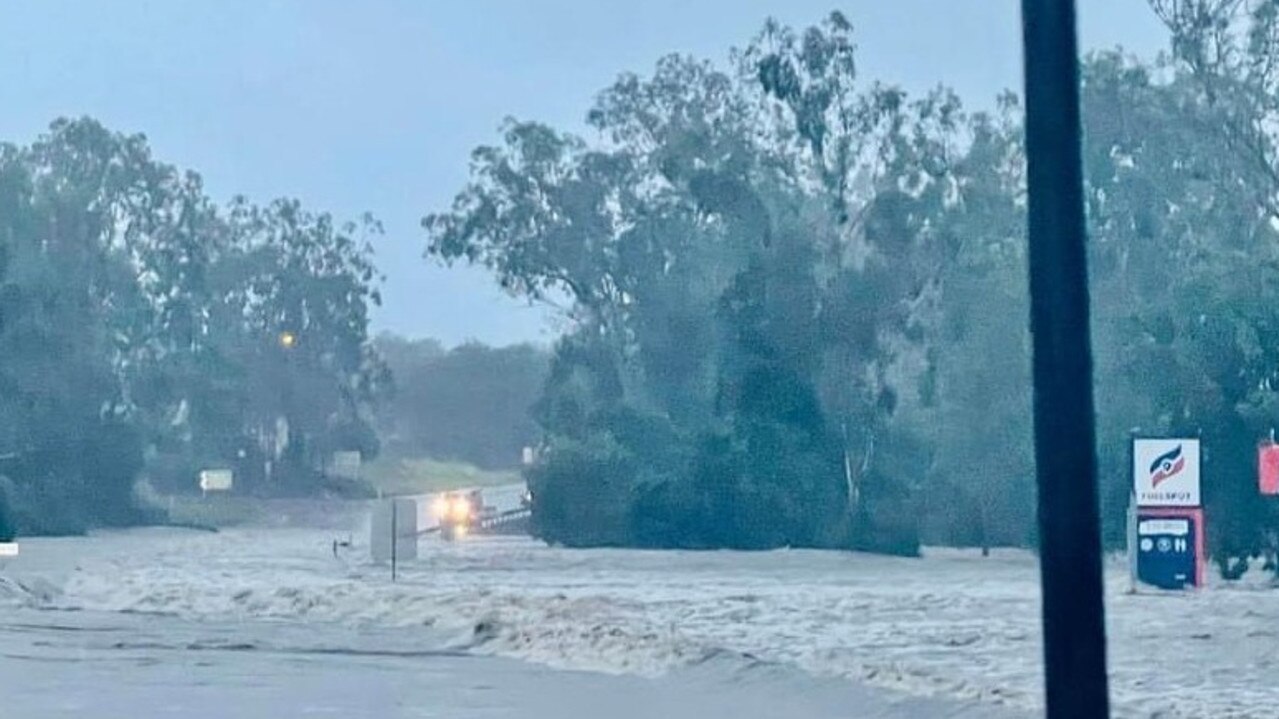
146,331
471,403
755,262
798,298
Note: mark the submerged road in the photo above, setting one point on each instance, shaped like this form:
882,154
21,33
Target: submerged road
65,665
157,622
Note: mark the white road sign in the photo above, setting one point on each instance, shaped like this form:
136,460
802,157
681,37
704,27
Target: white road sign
346,464
1178,527
1165,472
216,480
393,530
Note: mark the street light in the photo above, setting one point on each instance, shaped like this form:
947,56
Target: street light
288,340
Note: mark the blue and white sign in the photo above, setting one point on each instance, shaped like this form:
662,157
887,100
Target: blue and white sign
1168,549
1165,472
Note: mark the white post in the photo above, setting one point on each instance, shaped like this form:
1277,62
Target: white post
1132,544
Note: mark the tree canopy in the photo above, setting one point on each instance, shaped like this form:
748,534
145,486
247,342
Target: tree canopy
798,297
143,326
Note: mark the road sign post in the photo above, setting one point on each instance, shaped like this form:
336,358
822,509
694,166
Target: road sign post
1166,531
393,531
1170,547
216,480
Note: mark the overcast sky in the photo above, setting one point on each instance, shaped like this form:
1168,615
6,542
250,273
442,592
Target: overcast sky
375,105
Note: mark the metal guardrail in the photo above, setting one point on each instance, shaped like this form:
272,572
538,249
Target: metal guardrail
505,519
500,521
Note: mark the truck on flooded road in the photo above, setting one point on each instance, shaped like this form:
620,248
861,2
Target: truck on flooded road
462,513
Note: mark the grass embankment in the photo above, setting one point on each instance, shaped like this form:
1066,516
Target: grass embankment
396,476
390,476
215,510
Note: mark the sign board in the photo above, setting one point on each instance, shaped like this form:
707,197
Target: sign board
346,464
393,530
1165,472
1170,547
1268,468
216,480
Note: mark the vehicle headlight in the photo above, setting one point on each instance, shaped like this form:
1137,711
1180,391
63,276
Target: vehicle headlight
461,509
440,507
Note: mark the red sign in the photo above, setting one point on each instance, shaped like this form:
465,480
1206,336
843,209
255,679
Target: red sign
1268,467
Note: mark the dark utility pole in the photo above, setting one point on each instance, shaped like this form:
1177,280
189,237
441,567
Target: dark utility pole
1070,534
